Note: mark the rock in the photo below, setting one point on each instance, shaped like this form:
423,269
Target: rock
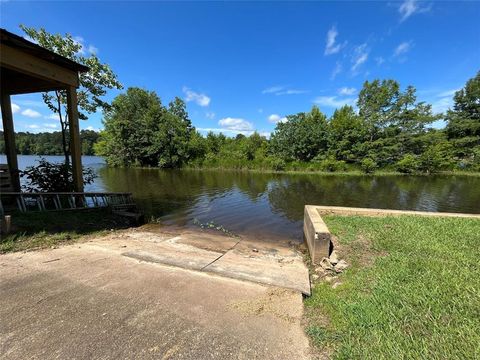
326,264
333,258
255,250
319,270
342,265
337,284
315,277
329,278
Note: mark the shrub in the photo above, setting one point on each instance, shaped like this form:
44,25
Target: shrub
53,177
277,164
368,165
437,158
333,165
408,164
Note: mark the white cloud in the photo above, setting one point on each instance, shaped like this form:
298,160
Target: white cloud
35,103
443,101
31,113
236,124
50,125
347,91
379,60
53,117
332,47
15,108
275,118
273,89
334,101
84,48
402,48
198,98
210,115
411,7
282,90
360,56
337,70
32,126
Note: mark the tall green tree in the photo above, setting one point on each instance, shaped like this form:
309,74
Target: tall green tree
139,130
463,127
93,84
302,137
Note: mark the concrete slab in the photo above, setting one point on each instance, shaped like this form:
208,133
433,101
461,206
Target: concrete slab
264,263
271,263
83,301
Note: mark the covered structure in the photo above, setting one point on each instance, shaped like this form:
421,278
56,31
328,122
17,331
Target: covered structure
26,67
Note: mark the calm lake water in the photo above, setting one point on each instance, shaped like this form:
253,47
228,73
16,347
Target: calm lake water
271,205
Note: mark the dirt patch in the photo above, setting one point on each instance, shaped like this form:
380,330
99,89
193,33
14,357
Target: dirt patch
277,302
359,252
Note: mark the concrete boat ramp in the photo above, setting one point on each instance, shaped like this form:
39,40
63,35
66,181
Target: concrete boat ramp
154,294
274,263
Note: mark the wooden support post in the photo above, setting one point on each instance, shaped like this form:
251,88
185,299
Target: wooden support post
75,147
9,136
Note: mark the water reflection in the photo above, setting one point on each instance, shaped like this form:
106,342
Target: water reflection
272,204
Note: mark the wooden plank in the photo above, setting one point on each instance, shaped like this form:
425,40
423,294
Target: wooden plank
9,137
75,145
25,63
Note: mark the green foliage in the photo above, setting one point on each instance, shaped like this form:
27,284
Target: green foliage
53,177
332,165
463,128
437,158
49,143
93,84
408,164
140,131
302,137
368,165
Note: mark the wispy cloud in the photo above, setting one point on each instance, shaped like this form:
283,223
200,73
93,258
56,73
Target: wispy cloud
15,108
336,70
50,125
347,91
84,48
360,56
333,101
402,48
410,7
236,124
198,98
31,113
210,115
282,90
443,101
379,60
332,47
275,118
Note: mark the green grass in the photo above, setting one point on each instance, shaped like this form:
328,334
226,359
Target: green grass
38,230
412,291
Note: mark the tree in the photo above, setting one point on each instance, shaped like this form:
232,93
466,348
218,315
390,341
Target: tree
302,137
139,130
463,127
93,84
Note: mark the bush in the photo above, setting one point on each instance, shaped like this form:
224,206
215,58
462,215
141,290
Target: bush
53,177
437,158
333,165
368,165
408,164
277,164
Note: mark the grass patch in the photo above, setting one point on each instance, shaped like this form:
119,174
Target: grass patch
417,298
38,230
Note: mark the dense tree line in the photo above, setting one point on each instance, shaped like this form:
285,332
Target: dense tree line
389,130
46,143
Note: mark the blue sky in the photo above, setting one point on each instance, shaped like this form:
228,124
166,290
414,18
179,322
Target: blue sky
243,66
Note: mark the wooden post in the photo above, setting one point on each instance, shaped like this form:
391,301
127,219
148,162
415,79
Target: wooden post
9,136
75,147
